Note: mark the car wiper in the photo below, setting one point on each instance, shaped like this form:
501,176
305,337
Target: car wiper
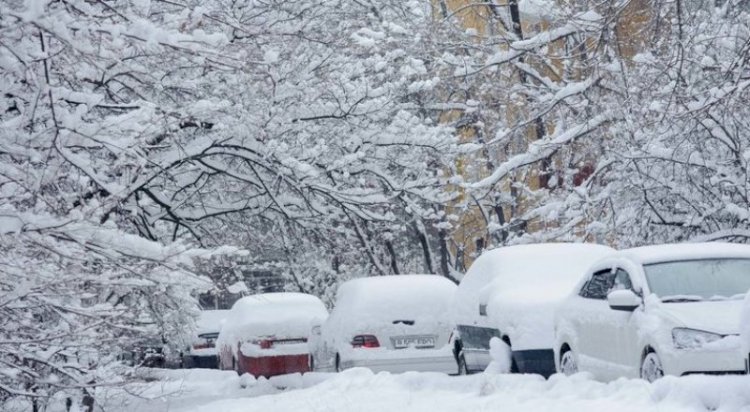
681,298
405,322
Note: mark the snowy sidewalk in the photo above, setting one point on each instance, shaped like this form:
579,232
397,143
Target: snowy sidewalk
362,391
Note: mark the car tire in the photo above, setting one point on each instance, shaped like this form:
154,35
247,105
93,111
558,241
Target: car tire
651,367
462,368
568,363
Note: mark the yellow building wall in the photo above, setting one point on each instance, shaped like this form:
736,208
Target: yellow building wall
471,224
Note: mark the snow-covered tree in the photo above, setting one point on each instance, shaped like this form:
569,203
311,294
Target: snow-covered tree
681,160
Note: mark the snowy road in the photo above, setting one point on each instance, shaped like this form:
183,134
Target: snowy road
362,391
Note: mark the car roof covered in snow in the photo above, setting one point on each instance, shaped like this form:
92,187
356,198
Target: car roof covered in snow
519,265
274,299
379,292
685,251
533,274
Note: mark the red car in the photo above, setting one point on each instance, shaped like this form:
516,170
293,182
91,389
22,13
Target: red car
266,335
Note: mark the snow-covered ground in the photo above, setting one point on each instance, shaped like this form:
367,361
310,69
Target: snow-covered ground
363,391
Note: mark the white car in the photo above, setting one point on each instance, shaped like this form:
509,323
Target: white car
387,323
656,310
511,293
202,351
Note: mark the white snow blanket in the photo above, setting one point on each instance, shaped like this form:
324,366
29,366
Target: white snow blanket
363,391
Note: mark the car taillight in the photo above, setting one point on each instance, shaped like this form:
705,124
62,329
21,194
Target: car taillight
200,346
265,344
365,341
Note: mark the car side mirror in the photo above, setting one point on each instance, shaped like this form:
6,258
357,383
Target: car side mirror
623,299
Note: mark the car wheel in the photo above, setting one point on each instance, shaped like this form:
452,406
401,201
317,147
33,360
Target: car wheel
462,368
651,367
568,364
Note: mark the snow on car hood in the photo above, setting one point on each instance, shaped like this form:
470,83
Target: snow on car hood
722,317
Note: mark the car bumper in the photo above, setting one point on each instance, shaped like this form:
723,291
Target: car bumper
274,365
398,361
685,362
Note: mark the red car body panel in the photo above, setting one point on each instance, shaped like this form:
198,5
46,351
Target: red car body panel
266,366
273,365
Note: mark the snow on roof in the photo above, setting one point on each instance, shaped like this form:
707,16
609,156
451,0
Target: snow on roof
285,298
417,293
545,272
685,251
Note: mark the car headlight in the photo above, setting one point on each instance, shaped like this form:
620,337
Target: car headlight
686,338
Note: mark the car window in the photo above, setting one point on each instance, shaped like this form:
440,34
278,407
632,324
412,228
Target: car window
475,337
605,281
621,281
599,284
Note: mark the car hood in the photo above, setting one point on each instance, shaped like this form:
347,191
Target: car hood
722,317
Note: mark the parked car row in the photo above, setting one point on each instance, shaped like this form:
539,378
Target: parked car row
563,307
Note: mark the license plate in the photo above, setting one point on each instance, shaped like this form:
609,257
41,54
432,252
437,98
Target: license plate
415,341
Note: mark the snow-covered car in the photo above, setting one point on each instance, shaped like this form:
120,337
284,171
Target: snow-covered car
202,351
266,334
387,323
512,293
656,310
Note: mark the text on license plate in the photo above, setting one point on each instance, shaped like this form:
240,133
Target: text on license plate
415,341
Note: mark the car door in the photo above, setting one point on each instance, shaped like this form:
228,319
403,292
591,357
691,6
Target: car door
597,326
626,330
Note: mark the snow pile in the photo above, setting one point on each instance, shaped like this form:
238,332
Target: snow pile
501,357
361,390
521,286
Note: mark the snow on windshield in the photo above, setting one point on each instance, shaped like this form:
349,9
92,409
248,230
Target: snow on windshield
704,279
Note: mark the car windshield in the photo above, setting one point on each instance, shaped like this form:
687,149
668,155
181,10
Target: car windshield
696,280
